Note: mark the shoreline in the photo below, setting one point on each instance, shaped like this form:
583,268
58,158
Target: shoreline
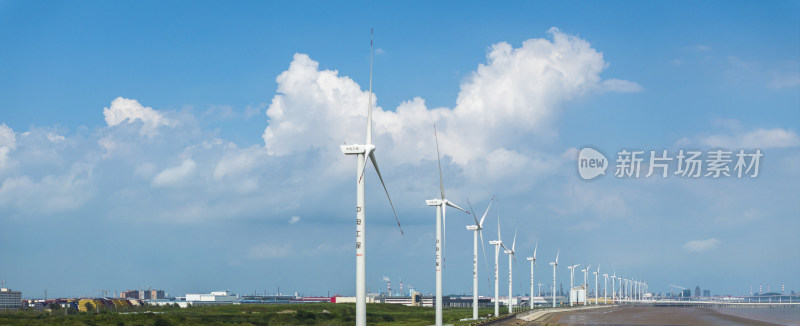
632,315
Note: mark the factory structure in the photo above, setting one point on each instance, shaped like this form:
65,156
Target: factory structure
10,299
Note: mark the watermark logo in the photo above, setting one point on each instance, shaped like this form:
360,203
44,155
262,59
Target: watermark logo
591,163
631,164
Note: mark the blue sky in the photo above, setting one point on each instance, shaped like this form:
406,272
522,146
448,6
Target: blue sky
194,146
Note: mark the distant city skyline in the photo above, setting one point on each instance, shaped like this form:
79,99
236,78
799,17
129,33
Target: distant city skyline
195,147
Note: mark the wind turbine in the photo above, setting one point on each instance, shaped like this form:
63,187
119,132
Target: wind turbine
605,288
497,244
586,284
362,152
571,277
511,255
478,229
533,262
441,222
555,267
613,287
596,274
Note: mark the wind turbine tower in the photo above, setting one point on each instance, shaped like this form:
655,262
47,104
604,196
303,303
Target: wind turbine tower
441,221
596,274
362,152
586,283
511,256
478,230
497,244
533,262
555,267
571,278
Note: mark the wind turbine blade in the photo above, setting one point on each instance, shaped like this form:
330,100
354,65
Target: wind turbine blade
439,158
375,164
478,224
534,250
498,219
485,262
367,153
369,100
557,252
451,204
444,235
514,244
484,214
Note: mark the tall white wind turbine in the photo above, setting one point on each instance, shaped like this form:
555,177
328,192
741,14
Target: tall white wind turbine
362,152
478,230
532,259
596,274
441,222
613,287
571,278
585,282
605,288
497,244
555,268
511,256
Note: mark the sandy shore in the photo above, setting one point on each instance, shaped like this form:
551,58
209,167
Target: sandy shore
640,316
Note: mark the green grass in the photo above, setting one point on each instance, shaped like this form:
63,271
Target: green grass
285,314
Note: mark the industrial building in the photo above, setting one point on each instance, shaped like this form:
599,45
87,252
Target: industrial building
213,297
10,299
143,294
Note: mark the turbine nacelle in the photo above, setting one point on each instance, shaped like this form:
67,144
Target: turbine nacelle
434,202
473,227
530,259
357,149
496,242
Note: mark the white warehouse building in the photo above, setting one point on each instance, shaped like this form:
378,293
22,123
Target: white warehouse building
215,296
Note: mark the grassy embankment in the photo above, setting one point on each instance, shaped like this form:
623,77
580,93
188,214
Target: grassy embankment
288,314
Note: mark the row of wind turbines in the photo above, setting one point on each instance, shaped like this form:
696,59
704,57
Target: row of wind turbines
362,152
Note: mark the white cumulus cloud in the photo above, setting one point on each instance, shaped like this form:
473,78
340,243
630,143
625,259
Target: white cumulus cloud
123,109
700,245
294,219
174,175
516,93
8,142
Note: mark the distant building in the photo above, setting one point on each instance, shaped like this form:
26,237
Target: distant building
216,296
10,299
686,293
143,294
577,295
707,293
697,291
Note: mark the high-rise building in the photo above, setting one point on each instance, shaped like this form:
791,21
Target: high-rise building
707,293
143,294
10,299
697,291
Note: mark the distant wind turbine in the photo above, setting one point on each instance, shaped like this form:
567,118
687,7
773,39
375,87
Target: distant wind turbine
571,283
511,256
532,259
586,284
362,152
478,230
555,268
596,274
497,244
441,222
605,288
